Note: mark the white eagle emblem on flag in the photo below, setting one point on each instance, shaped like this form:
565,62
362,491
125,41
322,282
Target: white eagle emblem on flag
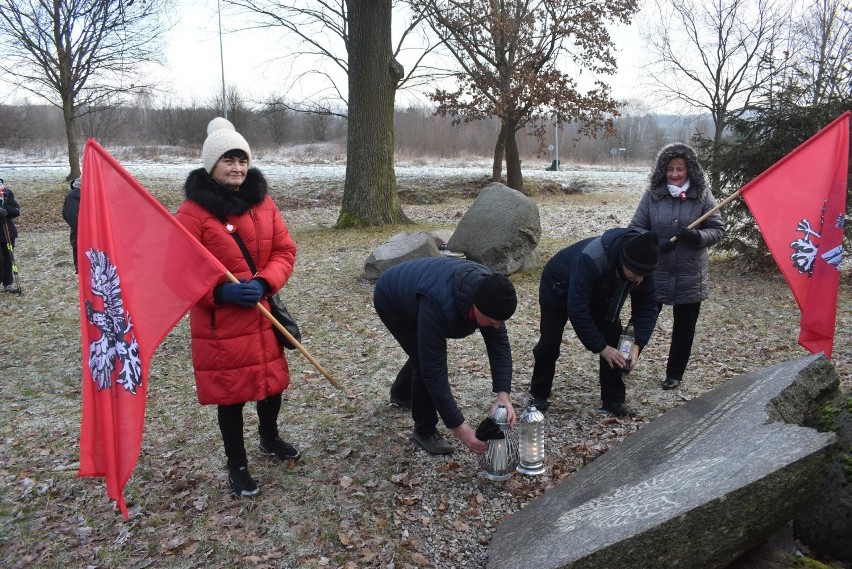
805,248
116,347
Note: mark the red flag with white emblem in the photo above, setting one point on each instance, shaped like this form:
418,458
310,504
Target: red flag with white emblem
799,204
140,271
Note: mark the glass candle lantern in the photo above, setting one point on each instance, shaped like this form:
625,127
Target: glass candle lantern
531,441
625,346
501,458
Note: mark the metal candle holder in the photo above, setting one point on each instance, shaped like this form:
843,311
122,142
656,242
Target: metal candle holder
531,441
501,458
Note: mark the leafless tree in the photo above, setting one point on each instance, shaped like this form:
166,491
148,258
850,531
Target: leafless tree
78,54
322,30
181,125
240,114
509,52
825,54
370,192
355,38
637,129
716,55
103,121
278,117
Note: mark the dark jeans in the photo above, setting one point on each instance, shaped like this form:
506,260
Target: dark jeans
683,334
409,384
6,274
231,425
554,317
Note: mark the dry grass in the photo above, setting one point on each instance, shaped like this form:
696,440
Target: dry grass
362,496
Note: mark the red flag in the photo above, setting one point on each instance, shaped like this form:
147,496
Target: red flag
139,273
799,205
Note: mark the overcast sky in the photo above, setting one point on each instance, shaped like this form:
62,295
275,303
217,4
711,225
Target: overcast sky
252,59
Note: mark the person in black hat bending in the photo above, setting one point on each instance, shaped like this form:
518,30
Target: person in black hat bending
588,284
423,302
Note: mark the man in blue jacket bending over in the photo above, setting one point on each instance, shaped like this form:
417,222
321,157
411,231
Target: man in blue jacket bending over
423,302
588,284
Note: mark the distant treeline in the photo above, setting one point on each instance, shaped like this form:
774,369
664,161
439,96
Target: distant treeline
418,132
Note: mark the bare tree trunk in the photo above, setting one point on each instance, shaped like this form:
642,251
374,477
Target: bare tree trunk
369,192
715,175
499,151
514,176
71,139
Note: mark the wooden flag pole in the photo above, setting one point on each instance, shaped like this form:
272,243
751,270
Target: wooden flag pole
718,206
280,327
710,212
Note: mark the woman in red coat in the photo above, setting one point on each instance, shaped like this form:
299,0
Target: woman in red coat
235,353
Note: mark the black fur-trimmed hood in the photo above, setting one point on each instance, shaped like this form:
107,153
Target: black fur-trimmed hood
697,182
201,188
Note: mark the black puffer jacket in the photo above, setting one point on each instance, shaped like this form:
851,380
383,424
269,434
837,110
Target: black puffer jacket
13,210
682,273
434,295
589,273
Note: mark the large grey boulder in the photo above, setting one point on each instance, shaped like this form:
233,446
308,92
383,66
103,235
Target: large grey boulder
501,229
695,488
401,247
825,522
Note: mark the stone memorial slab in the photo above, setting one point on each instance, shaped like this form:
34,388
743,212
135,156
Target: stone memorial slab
694,488
825,523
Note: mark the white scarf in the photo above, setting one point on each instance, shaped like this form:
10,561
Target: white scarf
679,191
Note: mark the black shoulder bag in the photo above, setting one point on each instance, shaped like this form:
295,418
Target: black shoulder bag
276,305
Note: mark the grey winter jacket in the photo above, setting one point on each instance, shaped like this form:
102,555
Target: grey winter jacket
681,276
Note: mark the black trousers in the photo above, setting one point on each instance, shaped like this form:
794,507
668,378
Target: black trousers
409,384
6,274
554,317
231,424
683,335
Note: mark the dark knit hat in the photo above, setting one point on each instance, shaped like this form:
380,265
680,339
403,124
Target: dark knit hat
496,297
641,253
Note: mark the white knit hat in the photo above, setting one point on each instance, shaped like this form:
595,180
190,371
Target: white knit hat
221,137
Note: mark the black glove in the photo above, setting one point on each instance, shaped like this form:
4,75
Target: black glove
488,430
3,212
666,245
689,236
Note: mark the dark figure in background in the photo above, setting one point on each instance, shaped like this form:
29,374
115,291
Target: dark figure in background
676,196
70,213
588,284
424,302
235,353
9,210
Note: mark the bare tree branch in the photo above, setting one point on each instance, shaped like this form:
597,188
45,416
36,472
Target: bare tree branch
715,56
79,54
508,53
